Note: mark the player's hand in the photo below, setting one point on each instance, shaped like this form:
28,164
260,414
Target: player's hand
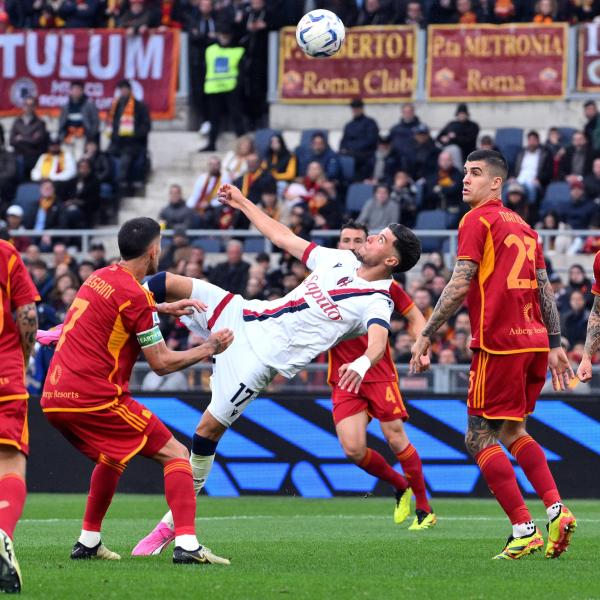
349,380
230,196
560,368
181,308
219,341
584,372
420,361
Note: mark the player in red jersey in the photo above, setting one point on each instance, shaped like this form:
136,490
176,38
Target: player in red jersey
379,397
86,394
17,337
500,270
592,340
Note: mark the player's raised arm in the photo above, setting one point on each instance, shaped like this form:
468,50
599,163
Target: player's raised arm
163,361
558,363
275,231
450,301
353,373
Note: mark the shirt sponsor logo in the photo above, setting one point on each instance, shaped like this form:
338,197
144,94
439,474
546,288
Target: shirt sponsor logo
323,302
527,330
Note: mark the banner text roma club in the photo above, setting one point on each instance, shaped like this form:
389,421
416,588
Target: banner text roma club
43,63
376,63
497,62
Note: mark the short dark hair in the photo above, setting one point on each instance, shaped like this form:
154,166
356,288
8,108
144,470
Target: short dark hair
352,224
590,103
319,134
534,133
407,245
493,159
136,235
77,83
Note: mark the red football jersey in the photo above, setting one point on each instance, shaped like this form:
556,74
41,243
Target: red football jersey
503,299
596,286
349,350
16,289
109,318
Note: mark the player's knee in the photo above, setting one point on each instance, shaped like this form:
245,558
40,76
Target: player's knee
354,451
397,441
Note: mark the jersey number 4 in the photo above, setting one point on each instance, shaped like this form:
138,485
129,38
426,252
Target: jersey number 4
525,251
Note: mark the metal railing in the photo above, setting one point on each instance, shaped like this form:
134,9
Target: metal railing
197,235
440,379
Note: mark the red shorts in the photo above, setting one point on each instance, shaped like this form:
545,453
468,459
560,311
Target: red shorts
505,386
382,401
14,429
118,432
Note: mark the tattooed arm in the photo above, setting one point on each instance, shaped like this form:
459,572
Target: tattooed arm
558,363
450,301
27,324
592,342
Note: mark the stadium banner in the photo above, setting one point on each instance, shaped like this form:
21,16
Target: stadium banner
43,63
497,62
376,63
588,63
286,445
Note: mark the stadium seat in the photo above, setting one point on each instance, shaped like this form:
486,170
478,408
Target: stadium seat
347,164
208,244
566,134
27,195
357,196
262,139
431,219
509,141
254,244
306,138
557,196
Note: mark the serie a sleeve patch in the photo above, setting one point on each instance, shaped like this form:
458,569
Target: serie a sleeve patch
149,337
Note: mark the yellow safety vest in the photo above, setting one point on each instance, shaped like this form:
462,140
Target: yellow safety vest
222,69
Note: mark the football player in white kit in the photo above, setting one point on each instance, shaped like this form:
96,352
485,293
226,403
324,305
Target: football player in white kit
343,297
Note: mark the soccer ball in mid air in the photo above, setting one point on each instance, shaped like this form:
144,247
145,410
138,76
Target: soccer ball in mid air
320,33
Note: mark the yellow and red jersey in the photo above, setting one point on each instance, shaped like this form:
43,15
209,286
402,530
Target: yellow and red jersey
596,286
503,299
16,289
109,318
349,350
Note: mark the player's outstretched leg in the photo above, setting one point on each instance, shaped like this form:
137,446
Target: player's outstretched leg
481,441
12,496
531,458
103,485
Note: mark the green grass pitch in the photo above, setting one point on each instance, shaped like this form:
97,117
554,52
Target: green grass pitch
299,548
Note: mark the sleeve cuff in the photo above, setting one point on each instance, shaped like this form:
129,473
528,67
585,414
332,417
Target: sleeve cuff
157,284
307,252
378,322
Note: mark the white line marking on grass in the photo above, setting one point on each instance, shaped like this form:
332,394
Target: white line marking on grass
287,517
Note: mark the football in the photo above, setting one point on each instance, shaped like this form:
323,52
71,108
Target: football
320,33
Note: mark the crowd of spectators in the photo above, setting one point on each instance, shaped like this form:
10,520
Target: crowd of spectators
62,179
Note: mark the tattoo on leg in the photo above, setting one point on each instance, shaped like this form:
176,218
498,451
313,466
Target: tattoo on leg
481,433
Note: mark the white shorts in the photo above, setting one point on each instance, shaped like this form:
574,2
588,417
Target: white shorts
238,374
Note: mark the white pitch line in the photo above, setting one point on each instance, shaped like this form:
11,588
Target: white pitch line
287,517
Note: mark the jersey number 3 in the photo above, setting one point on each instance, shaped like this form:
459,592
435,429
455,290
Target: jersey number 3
525,251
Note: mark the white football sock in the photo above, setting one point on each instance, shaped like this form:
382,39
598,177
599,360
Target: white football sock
523,529
89,538
554,510
201,468
187,542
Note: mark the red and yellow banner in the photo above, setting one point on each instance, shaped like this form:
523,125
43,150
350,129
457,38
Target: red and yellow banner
497,62
376,63
588,64
43,63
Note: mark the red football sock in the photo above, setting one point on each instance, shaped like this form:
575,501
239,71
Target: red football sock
103,485
413,471
532,460
500,477
180,495
374,464
12,499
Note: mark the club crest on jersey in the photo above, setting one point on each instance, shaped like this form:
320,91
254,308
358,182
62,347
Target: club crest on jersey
344,281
